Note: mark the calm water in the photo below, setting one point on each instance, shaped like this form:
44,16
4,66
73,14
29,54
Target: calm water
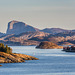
52,62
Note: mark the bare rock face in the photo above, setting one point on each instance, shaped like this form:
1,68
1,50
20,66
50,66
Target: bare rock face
48,45
16,27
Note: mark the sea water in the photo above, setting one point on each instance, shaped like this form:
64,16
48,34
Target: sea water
51,62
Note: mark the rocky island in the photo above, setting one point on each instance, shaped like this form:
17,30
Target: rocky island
48,45
6,55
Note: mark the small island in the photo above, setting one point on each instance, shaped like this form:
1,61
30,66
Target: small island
6,55
48,45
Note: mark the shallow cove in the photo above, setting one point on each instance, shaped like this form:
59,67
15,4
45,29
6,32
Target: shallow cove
51,62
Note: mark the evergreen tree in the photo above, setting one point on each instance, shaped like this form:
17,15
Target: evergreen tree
5,49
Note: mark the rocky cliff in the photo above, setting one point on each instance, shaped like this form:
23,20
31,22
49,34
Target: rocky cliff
16,27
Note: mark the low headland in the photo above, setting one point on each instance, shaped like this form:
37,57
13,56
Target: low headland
48,45
6,55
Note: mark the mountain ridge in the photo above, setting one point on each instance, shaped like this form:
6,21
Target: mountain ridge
19,33
17,27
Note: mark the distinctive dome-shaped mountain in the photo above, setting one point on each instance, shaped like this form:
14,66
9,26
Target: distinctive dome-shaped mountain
16,27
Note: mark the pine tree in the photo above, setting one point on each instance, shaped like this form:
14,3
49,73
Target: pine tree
5,49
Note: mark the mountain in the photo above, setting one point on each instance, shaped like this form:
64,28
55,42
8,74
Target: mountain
2,34
16,27
54,30
65,38
19,33
34,38
23,38
73,30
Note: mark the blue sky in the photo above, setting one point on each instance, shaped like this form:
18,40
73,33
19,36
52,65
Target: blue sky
38,13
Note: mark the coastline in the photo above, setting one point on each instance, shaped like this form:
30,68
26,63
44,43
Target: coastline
15,58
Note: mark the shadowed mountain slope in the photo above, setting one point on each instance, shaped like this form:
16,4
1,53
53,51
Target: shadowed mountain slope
54,30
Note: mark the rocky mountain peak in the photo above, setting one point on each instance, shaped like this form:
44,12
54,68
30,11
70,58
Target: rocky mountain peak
16,27
14,23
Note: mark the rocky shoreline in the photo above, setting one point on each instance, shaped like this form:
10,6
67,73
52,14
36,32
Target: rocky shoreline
6,55
14,58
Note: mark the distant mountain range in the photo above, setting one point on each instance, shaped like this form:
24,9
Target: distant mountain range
54,30
19,33
16,27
